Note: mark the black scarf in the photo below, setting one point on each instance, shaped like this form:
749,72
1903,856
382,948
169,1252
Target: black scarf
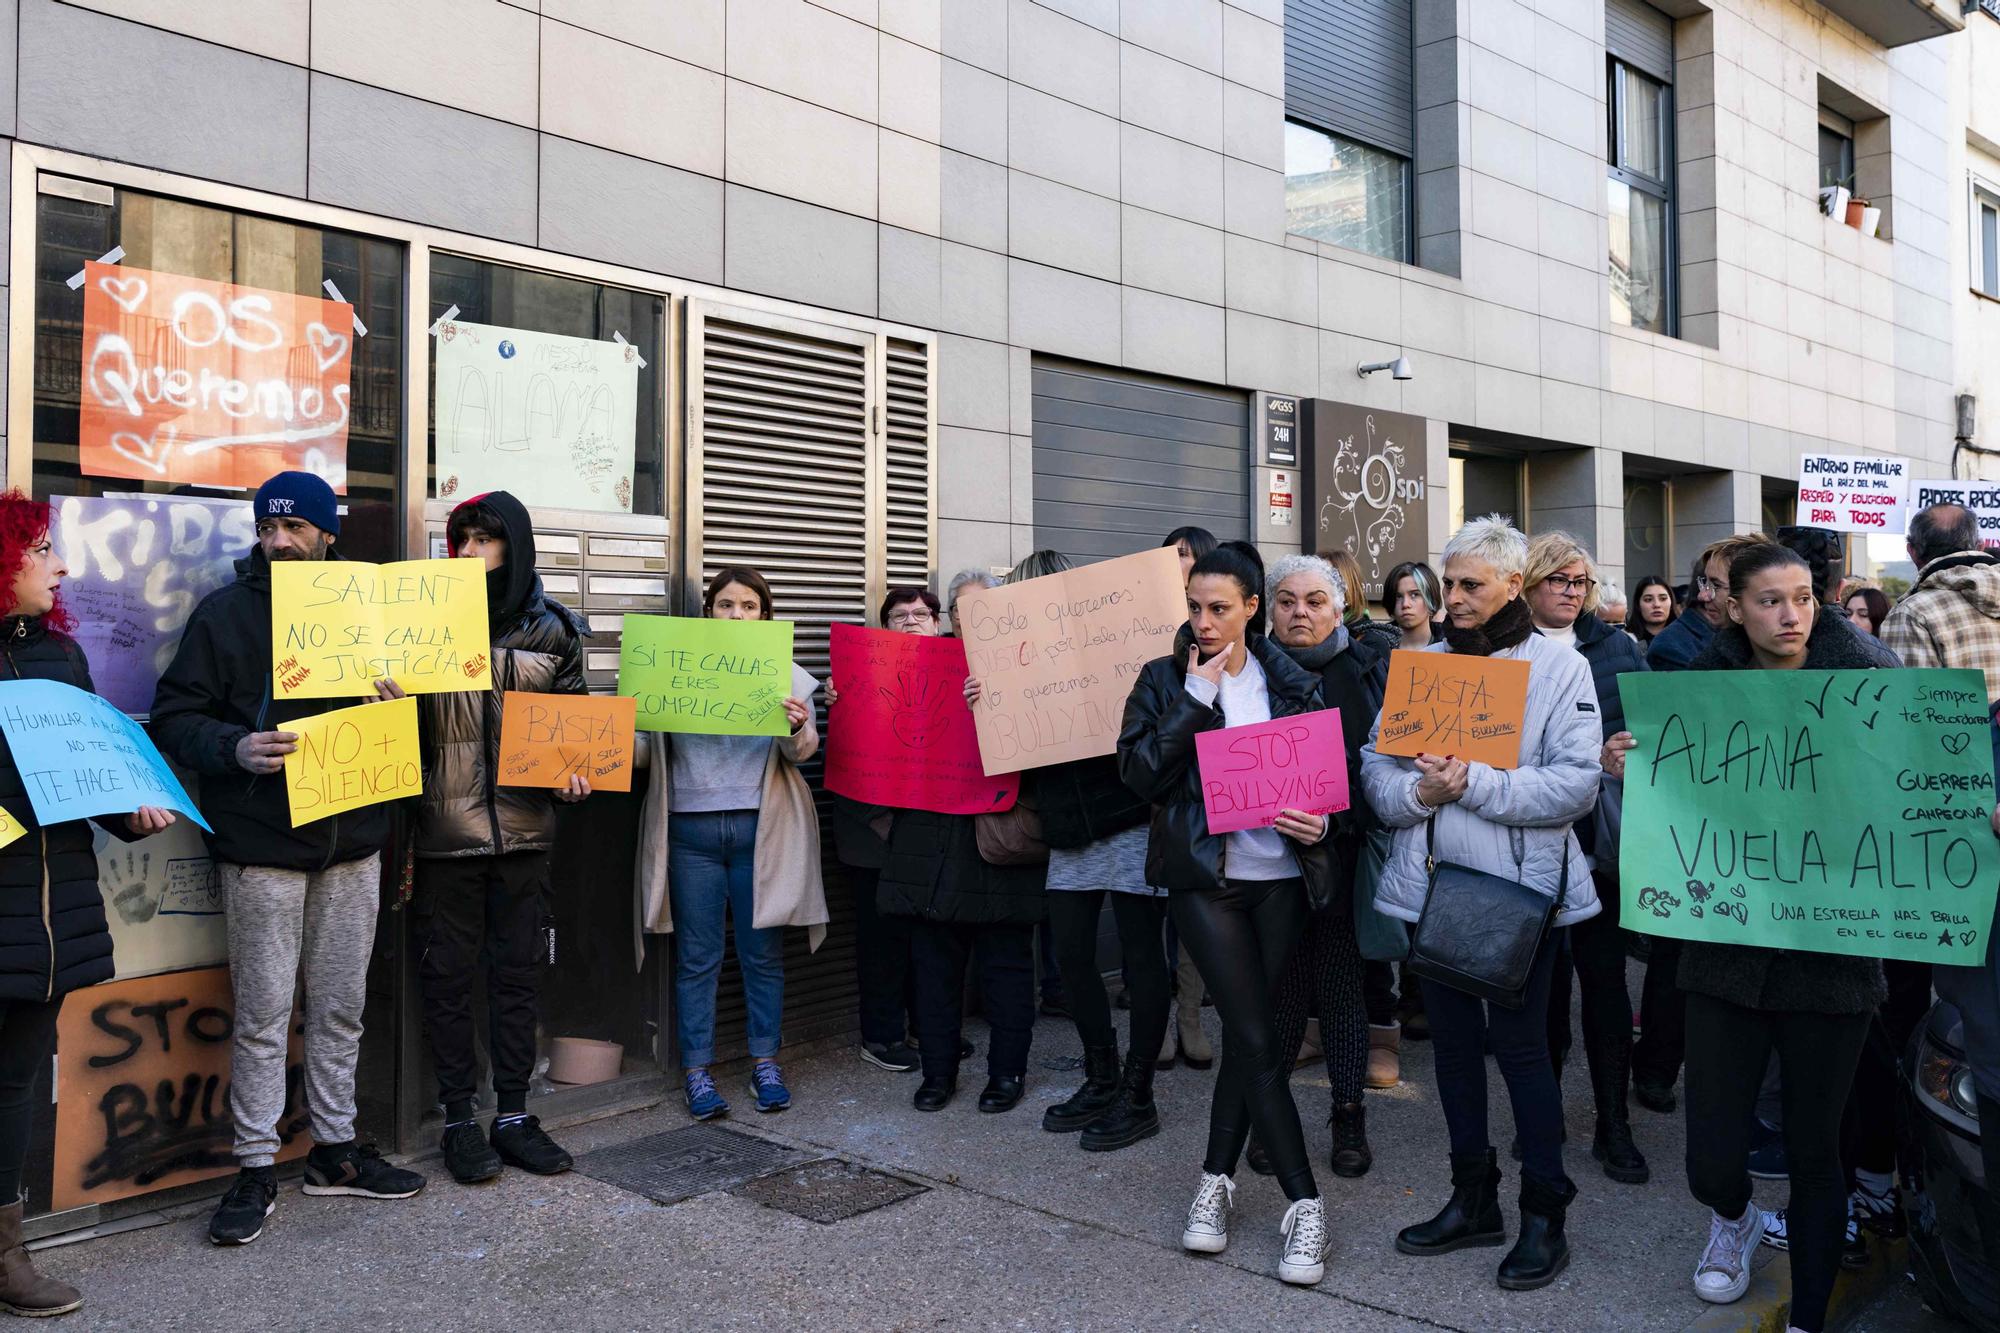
1510,625
1316,657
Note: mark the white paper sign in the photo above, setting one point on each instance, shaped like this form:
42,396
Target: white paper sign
1853,493
161,900
549,418
1981,497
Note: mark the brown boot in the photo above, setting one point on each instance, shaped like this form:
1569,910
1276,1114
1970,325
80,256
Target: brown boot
23,1291
1385,1057
1195,1048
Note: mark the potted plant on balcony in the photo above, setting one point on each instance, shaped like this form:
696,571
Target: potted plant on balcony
1856,207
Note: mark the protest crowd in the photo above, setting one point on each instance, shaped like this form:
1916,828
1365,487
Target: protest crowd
1344,831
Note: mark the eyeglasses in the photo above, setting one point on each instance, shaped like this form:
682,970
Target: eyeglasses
1562,584
1707,584
918,616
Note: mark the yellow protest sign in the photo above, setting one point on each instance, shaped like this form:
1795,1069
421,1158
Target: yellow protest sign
10,828
353,757
338,626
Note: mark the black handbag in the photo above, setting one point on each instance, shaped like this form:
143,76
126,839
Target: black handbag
1480,933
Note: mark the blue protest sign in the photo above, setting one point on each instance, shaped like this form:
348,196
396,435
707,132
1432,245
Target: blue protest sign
80,756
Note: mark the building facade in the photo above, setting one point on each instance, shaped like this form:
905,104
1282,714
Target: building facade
919,285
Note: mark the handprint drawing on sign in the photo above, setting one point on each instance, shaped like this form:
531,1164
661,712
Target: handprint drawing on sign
916,708
126,882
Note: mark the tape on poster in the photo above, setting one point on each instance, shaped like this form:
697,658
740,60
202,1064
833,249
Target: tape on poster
619,338
75,280
360,329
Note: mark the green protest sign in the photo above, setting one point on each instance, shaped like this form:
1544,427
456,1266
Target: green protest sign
711,677
1832,811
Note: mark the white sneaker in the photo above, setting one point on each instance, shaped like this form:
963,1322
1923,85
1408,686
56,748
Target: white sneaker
1304,1228
1723,1274
1208,1216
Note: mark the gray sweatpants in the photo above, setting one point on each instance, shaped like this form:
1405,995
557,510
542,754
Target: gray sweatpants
275,916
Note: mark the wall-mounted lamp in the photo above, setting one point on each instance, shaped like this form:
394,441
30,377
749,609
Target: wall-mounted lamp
1398,369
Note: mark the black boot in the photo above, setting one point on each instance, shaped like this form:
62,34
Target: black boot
1541,1252
1610,1071
1471,1218
1351,1154
1132,1115
1099,1090
1256,1158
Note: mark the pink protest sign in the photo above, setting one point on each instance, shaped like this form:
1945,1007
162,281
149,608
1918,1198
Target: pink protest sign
901,734
1249,774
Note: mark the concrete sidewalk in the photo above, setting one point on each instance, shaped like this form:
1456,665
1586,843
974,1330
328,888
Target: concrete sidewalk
1017,1229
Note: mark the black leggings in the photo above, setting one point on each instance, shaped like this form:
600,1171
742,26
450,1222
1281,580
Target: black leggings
1327,970
1868,1130
1241,936
1728,1048
27,1034
1073,916
1596,949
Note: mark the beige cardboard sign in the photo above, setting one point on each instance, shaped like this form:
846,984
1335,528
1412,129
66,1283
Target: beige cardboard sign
1056,656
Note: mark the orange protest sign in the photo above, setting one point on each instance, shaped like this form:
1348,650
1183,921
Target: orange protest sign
209,383
1452,704
142,1087
545,739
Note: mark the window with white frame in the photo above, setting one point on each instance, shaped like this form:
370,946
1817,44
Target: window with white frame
1986,238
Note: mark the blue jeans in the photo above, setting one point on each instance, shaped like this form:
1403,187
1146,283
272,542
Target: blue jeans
710,865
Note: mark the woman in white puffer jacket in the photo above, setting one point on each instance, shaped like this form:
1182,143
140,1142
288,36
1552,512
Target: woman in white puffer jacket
1514,823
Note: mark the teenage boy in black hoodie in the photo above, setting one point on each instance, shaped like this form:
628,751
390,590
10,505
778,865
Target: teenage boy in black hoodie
483,852
292,894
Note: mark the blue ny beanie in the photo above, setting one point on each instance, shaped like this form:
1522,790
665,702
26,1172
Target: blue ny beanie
298,495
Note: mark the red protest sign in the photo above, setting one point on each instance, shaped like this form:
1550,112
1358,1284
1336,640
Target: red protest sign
1249,774
211,383
901,734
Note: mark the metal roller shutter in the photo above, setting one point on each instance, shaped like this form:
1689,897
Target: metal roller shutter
809,460
1641,36
1349,68
1122,459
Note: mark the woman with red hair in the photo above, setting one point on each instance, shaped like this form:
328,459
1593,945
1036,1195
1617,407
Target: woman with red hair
53,938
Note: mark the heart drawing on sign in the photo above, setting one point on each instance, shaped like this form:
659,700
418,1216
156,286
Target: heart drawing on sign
1967,936
127,292
1955,743
149,454
327,346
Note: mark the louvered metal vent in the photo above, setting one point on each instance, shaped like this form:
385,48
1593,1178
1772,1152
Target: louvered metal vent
910,483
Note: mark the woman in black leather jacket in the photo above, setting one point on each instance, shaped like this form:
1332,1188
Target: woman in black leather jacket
1239,900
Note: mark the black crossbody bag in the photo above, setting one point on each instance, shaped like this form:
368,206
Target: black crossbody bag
1480,933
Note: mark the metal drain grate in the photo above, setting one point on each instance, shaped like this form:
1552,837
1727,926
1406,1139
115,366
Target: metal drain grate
682,1163
828,1191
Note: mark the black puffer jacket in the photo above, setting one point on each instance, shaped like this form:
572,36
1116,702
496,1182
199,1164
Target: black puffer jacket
218,690
1082,801
537,649
1157,760
1785,980
933,872
1611,652
53,938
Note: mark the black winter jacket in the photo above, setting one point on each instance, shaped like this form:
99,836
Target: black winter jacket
1157,760
1785,980
1083,801
53,938
933,871
217,690
1610,652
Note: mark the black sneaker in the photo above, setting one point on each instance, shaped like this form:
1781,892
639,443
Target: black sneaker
897,1058
524,1143
239,1218
466,1154
344,1168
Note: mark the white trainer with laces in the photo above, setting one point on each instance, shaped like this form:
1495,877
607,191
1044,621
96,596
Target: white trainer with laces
1723,1274
1304,1228
1208,1216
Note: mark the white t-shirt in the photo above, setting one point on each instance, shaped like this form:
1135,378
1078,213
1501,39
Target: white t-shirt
1258,853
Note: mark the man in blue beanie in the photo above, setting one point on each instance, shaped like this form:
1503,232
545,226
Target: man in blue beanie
293,895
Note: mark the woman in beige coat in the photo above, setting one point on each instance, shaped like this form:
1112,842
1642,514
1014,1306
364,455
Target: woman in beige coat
740,835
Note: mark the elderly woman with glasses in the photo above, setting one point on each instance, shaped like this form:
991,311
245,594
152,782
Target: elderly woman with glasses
1562,594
